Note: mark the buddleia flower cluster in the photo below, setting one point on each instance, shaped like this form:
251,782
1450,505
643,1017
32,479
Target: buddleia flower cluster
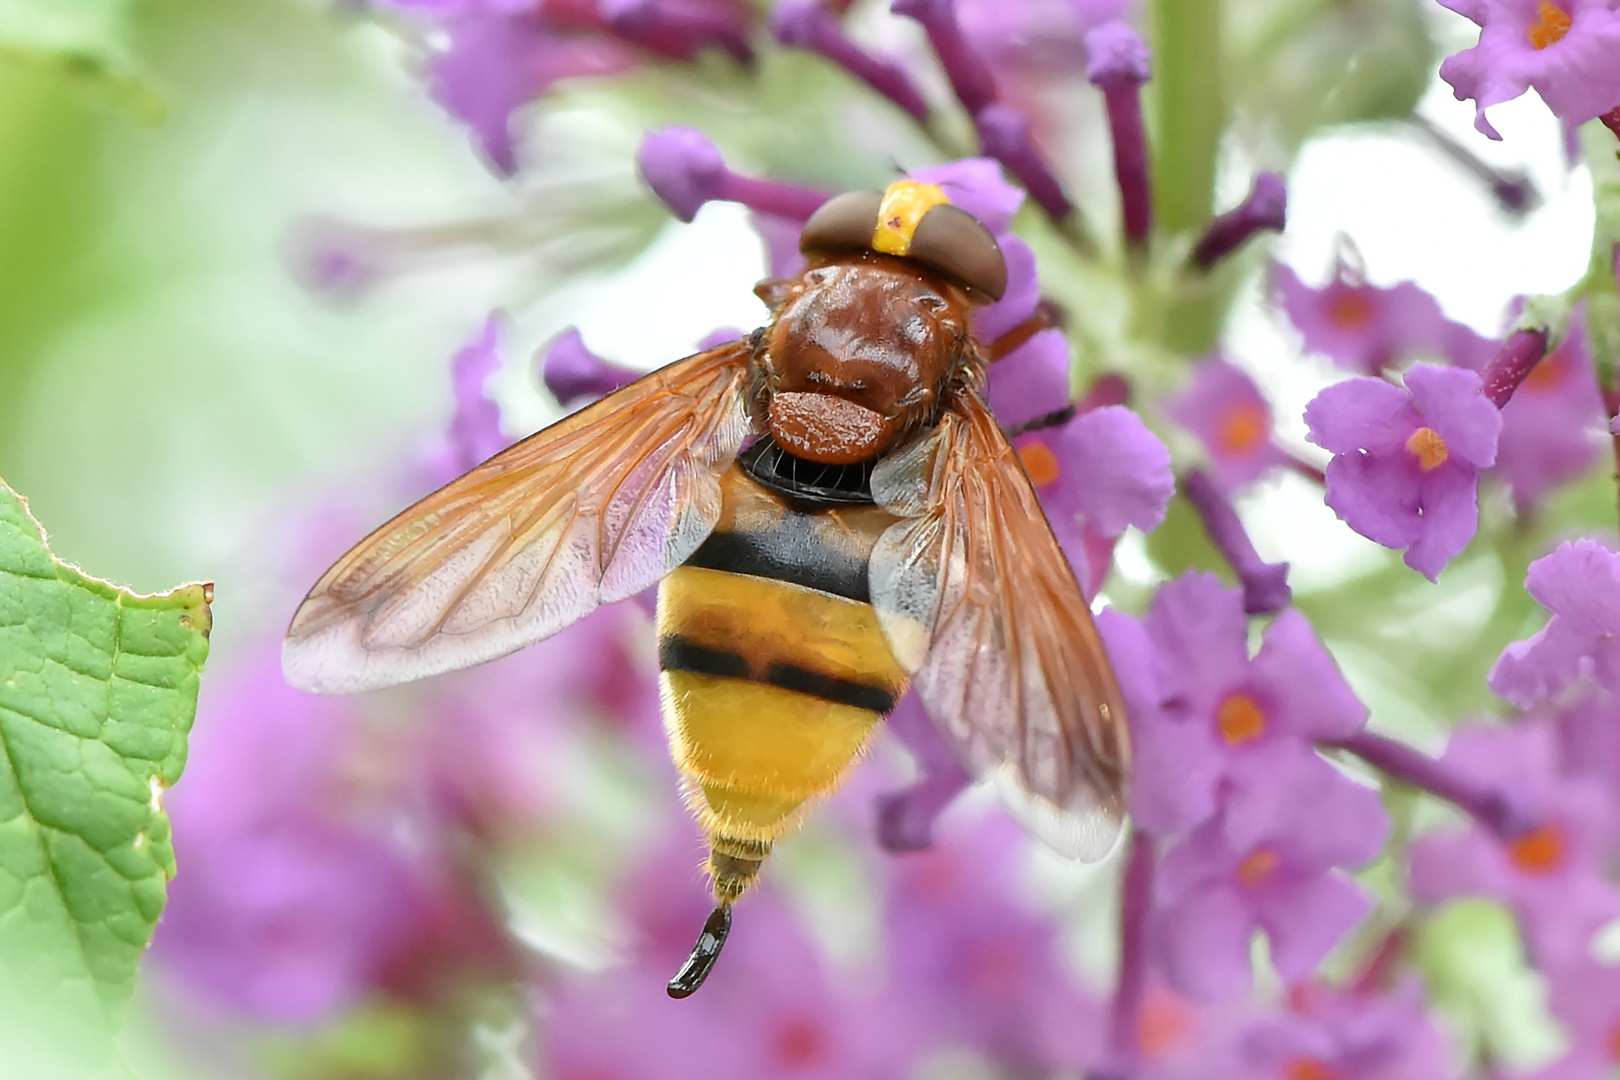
1375,822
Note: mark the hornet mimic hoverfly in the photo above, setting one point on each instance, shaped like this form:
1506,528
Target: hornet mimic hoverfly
831,513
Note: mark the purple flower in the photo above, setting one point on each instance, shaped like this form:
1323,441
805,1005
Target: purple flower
1202,706
984,971
680,29
1222,406
573,373
1035,38
1367,328
1032,381
1565,50
906,818
285,909
1263,865
1551,875
1553,423
1580,584
499,60
475,426
1266,207
770,1009
685,169
1102,471
1585,998
809,24
1405,471
1339,1035
1265,585
1120,63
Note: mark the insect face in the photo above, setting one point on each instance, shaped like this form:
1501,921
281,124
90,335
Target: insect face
859,353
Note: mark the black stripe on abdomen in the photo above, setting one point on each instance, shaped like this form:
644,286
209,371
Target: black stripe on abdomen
790,552
676,653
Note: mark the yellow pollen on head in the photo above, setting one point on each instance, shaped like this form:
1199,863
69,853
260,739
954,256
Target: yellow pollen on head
1539,851
904,204
1239,719
1551,24
1429,448
1254,869
1041,464
1240,429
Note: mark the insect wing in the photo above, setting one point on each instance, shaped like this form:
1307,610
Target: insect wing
593,509
977,601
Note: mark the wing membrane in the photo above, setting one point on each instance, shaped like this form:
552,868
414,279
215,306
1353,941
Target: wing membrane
978,602
593,509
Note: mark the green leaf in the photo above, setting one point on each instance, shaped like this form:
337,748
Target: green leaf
98,687
85,38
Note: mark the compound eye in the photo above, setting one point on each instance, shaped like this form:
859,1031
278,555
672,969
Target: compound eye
952,241
843,223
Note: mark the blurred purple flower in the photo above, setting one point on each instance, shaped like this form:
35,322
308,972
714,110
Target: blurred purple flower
770,1009
475,425
809,24
1340,1035
1565,50
1030,382
573,373
1215,706
1366,328
680,29
499,60
1580,584
1585,998
1553,423
291,907
1265,585
986,973
1271,870
1119,64
1405,471
906,818
1035,38
1551,876
1221,405
685,170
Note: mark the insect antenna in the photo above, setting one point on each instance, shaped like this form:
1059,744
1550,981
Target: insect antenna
704,953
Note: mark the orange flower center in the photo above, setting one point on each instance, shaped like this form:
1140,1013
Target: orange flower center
1539,851
1239,719
1350,309
1429,448
1308,1068
1547,375
1550,26
1241,428
1613,1041
1259,864
1041,464
800,1041
1165,1023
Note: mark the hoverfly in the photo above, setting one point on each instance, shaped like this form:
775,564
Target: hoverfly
831,513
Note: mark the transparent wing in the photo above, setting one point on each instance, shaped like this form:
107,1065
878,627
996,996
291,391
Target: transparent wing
593,509
979,604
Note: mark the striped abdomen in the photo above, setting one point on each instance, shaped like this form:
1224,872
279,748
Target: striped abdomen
775,671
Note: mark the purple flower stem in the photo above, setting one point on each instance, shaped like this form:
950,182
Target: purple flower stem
1307,470
1400,762
814,27
1511,188
1124,103
1265,585
1519,355
1004,135
1384,968
1265,208
969,75
772,197
1135,904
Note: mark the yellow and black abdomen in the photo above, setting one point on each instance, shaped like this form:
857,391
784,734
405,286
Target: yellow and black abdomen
775,671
